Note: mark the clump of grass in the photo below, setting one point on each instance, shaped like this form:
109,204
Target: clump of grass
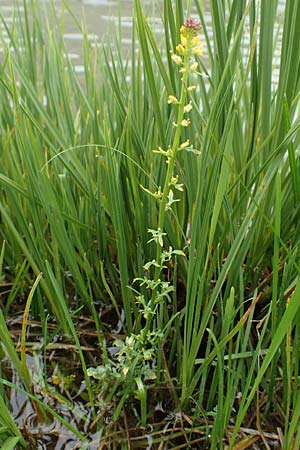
76,170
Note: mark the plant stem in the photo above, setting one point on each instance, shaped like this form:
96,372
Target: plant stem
172,159
171,163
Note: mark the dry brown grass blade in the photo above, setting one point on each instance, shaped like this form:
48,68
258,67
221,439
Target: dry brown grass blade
246,442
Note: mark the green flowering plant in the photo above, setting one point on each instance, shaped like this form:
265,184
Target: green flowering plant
136,355
190,44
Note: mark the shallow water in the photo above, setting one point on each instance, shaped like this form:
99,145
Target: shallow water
107,18
102,18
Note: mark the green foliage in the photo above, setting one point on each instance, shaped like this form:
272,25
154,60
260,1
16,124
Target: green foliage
10,434
85,201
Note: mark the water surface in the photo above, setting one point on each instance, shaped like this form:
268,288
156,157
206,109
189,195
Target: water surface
108,18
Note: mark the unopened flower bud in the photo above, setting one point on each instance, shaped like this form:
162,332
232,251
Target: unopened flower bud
185,144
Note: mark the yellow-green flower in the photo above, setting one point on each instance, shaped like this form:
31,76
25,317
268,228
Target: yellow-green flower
180,49
188,107
196,40
185,122
158,194
183,40
172,99
194,66
177,59
198,50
